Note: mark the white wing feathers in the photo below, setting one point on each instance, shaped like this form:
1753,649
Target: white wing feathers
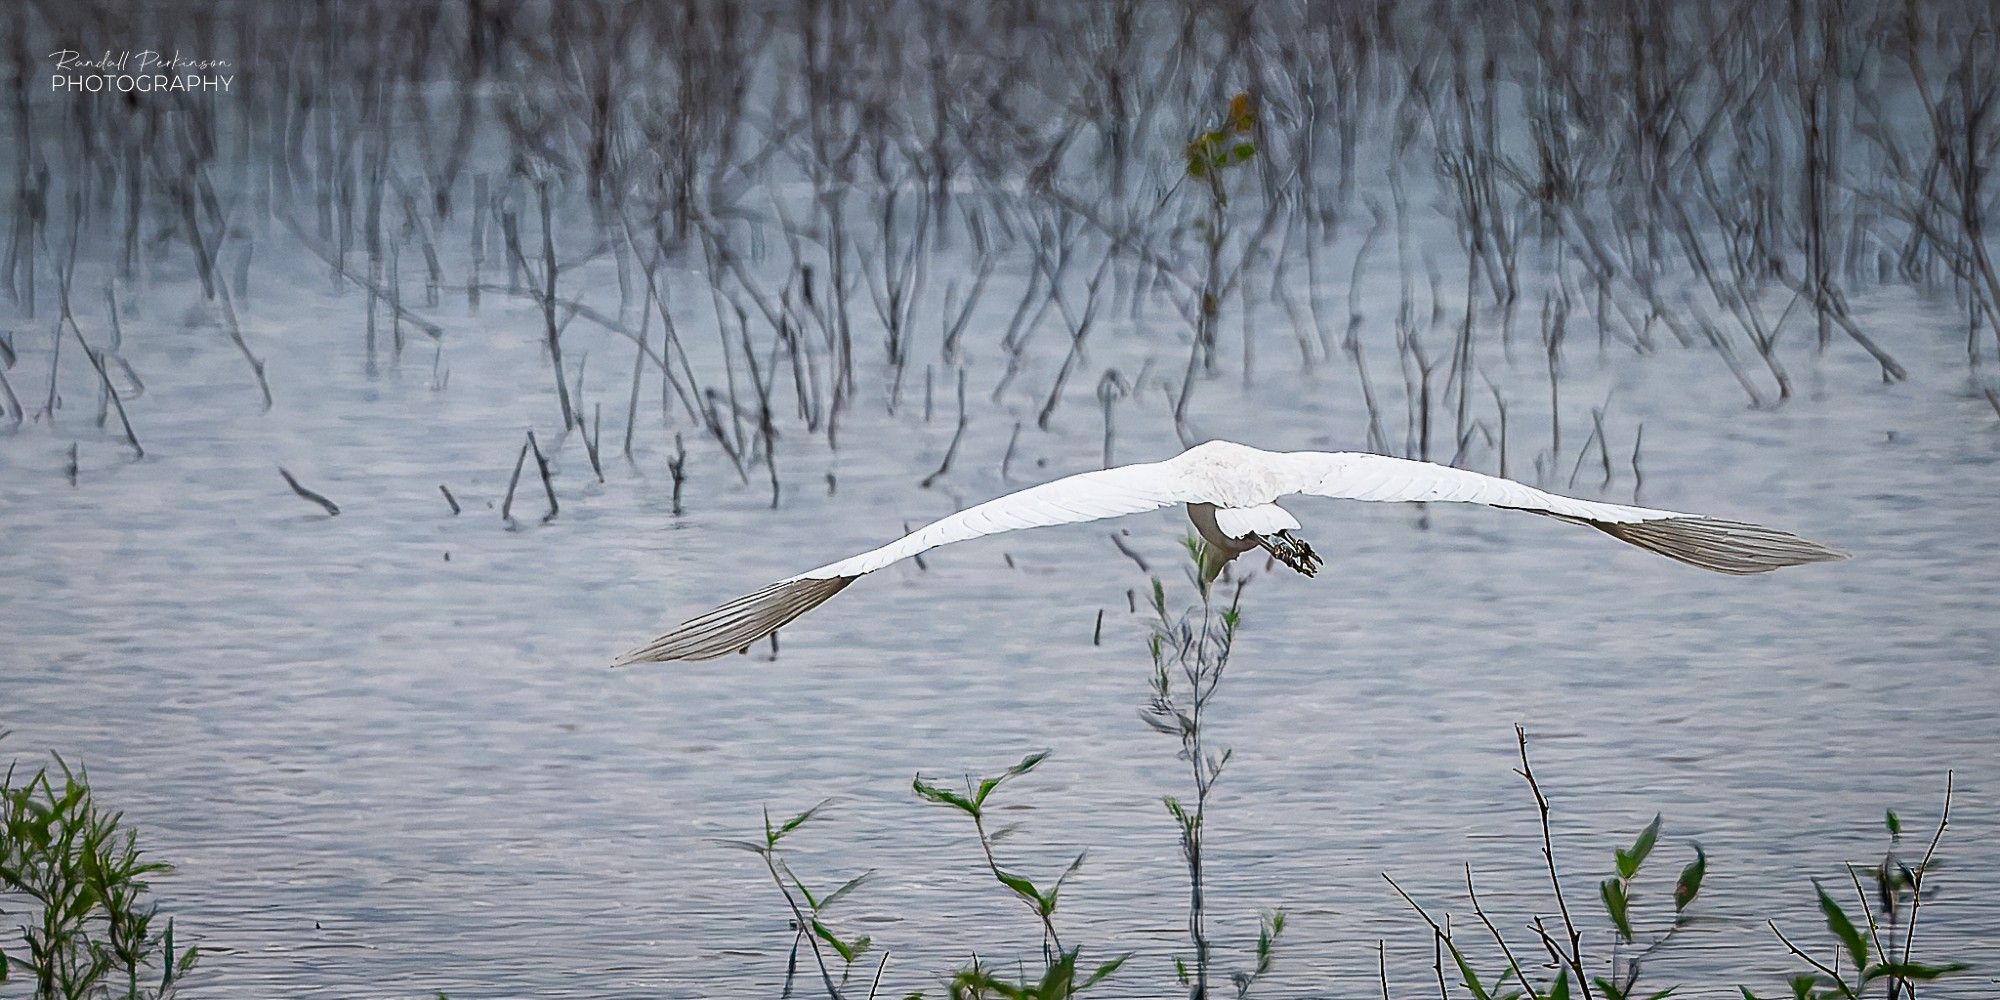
1241,482
1088,496
1263,519
1355,476
1734,547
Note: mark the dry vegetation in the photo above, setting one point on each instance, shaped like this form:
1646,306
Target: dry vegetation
879,203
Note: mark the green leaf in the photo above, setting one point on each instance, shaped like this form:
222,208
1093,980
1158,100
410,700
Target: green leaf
166,974
802,818
1048,900
1060,978
1465,972
1842,927
1912,971
1101,973
1612,891
1629,861
1027,764
1021,886
1690,881
1268,930
1895,825
1747,995
1243,151
977,982
1802,986
1560,991
847,887
943,796
1610,989
849,950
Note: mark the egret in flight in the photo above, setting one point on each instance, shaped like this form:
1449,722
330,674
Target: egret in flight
1229,490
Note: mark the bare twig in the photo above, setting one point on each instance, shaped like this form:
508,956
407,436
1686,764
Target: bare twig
331,509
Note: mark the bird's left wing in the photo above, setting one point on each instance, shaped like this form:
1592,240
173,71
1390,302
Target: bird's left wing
1087,496
1722,546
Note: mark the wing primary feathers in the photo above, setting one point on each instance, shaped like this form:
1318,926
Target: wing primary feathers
739,623
1737,548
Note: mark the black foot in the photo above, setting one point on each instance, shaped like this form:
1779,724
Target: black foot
1293,552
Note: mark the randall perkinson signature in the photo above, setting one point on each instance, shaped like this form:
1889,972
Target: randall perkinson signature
137,72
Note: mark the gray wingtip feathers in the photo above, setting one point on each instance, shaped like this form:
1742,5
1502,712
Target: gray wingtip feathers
736,625
1737,548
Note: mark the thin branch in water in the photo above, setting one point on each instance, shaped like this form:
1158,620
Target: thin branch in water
952,450
332,510
1575,954
507,505
548,481
677,468
97,362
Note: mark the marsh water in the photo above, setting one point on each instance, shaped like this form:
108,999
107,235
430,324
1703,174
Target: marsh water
386,757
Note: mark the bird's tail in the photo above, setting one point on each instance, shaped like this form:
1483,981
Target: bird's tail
736,625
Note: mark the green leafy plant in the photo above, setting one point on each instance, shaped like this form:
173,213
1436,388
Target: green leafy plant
1618,893
1059,974
1226,145
808,908
1190,654
1211,156
1058,981
1564,943
1879,946
91,931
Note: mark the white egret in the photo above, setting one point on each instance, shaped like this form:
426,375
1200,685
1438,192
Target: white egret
1229,491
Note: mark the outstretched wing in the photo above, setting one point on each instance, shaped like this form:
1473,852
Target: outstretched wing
1734,547
1088,496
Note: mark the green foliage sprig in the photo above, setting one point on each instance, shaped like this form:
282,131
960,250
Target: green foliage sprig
1060,978
1868,950
91,931
809,925
1225,145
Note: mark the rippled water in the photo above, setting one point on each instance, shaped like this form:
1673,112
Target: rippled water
386,757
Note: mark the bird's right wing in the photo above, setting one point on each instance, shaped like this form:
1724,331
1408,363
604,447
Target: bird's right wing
1087,496
1734,547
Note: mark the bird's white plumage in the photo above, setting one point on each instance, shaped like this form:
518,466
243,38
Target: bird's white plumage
1240,483
1089,496
1263,519
1353,476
